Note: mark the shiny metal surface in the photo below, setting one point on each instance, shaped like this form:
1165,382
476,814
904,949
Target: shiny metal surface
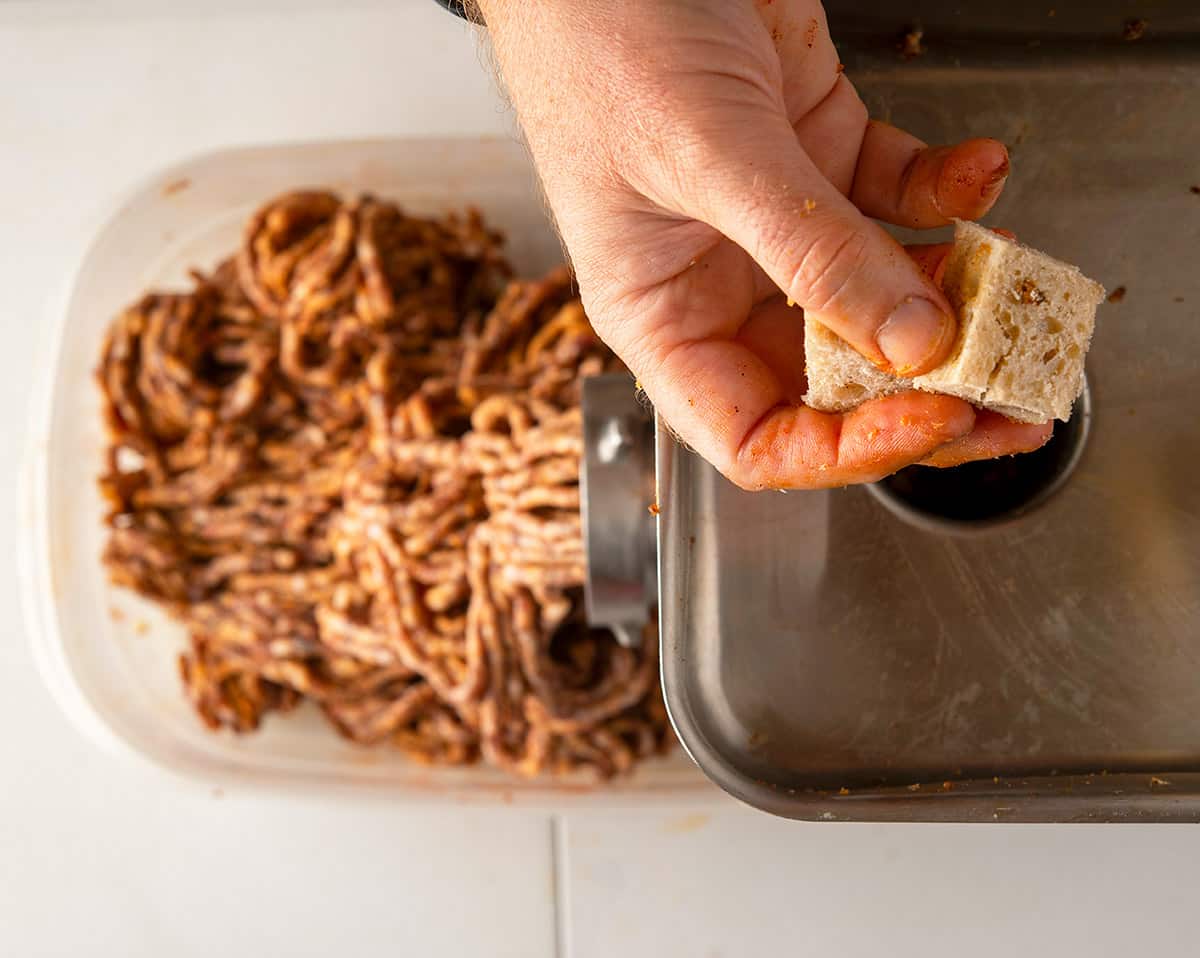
825,658
616,490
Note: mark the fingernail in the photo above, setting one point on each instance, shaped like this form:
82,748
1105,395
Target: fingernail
994,182
913,334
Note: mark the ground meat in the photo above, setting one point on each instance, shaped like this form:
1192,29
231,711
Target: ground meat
348,461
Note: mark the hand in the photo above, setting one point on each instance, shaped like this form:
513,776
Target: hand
707,160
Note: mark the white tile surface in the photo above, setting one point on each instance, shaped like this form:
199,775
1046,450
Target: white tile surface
110,862
97,857
736,883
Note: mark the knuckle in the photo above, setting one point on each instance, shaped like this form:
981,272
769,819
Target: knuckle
828,263
713,154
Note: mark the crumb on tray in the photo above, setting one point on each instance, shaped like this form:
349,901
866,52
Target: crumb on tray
912,43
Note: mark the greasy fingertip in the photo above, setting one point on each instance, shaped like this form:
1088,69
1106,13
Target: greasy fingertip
903,426
887,434
971,178
993,435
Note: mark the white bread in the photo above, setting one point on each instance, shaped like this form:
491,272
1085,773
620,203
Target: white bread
1025,323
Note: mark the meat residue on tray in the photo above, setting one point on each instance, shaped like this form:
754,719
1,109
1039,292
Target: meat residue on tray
1133,30
912,43
347,460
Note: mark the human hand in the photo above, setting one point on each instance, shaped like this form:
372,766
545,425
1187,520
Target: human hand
708,160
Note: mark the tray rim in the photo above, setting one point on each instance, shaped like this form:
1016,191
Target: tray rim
1101,797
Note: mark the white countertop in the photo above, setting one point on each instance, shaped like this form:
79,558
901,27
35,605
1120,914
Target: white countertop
102,857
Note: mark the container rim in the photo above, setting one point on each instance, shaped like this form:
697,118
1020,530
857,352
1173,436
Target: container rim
42,622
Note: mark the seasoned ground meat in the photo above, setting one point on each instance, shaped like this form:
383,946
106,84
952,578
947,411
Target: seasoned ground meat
348,461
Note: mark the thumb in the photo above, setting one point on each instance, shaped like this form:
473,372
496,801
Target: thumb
841,267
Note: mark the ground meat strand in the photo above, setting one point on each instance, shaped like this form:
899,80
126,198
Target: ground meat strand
348,461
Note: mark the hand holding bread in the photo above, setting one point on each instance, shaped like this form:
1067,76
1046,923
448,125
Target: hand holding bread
708,163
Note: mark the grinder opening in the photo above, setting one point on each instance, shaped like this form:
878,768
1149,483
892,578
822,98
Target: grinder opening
997,490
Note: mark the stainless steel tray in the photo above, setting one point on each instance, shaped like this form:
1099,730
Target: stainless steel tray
827,657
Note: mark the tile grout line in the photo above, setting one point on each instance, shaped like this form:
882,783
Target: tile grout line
558,868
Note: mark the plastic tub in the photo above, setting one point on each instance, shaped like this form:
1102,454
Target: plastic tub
108,656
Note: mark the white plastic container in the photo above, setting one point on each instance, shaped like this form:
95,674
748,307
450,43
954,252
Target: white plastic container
110,657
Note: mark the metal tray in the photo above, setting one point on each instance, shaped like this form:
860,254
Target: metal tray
829,655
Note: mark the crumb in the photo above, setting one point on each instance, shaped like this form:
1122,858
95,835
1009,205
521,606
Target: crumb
777,34
791,302
691,540
843,790
808,206
1195,190
1028,293
737,409
141,627
841,68
176,186
653,509
1155,780
995,779
915,788
691,401
1117,294
946,786
116,614
1134,30
911,44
